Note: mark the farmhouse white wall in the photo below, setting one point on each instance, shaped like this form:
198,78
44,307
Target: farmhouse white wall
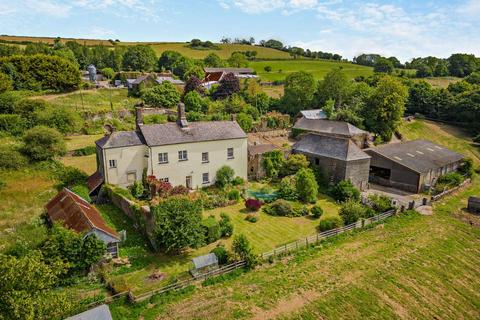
129,160
177,171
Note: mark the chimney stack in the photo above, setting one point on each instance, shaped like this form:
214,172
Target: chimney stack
138,116
181,116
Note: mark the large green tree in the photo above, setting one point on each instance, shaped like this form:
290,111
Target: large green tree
385,107
43,143
213,60
300,88
164,95
167,59
384,65
335,86
178,223
307,187
139,58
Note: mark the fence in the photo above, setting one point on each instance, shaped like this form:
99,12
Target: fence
448,191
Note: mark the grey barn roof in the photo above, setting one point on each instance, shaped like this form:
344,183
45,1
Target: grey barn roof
120,139
313,114
418,155
330,147
101,312
205,261
171,133
230,70
340,128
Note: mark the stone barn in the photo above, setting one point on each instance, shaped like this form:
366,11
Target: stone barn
411,166
339,158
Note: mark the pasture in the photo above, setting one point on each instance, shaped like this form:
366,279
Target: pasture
319,68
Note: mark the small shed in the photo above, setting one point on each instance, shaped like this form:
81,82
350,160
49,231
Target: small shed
474,205
204,264
101,312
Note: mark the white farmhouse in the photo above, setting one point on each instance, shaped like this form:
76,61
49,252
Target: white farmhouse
181,153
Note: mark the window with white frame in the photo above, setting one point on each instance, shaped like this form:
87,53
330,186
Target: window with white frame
112,163
164,180
182,155
163,157
204,157
205,177
230,153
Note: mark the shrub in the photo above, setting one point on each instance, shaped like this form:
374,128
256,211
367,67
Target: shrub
288,188
226,225
307,187
82,191
221,253
155,119
380,203
238,181
243,249
245,121
467,167
62,119
316,211
279,207
136,189
162,188
11,158
272,162
211,229
164,95
253,204
294,163
179,190
300,210
70,176
234,195
345,190
251,218
451,179
352,210
329,223
42,143
224,176
194,102
86,151
13,124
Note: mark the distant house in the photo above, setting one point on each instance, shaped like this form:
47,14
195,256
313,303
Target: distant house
181,153
101,312
150,80
411,166
215,75
77,214
338,157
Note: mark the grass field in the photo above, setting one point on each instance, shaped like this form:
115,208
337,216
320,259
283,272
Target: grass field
319,68
266,234
86,163
440,82
443,134
411,267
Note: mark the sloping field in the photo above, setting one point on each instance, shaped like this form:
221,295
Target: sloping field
50,40
319,68
411,267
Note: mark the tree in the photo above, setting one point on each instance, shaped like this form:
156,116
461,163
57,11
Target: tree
27,285
385,107
288,188
352,210
245,121
244,250
461,65
299,92
226,225
178,223
272,162
294,163
108,73
473,78
61,118
182,65
335,86
296,52
383,65
194,102
6,83
168,59
224,176
238,60
345,190
193,84
228,86
165,95
195,71
212,60
139,58
43,143
275,44
307,187
267,68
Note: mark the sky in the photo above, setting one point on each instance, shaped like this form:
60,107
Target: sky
405,29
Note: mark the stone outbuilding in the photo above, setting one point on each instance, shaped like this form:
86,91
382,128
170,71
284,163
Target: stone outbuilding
412,166
339,158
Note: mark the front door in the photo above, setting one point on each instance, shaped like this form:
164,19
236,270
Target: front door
188,182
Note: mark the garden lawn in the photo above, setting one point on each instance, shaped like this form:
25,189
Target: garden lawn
319,68
409,267
266,234
446,135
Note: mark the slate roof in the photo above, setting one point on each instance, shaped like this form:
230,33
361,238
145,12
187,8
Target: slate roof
120,139
260,148
169,79
419,155
76,213
172,133
101,312
329,147
141,79
205,261
229,70
313,114
332,127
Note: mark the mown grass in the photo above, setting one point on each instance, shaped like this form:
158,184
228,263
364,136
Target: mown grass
88,163
319,68
446,135
410,267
